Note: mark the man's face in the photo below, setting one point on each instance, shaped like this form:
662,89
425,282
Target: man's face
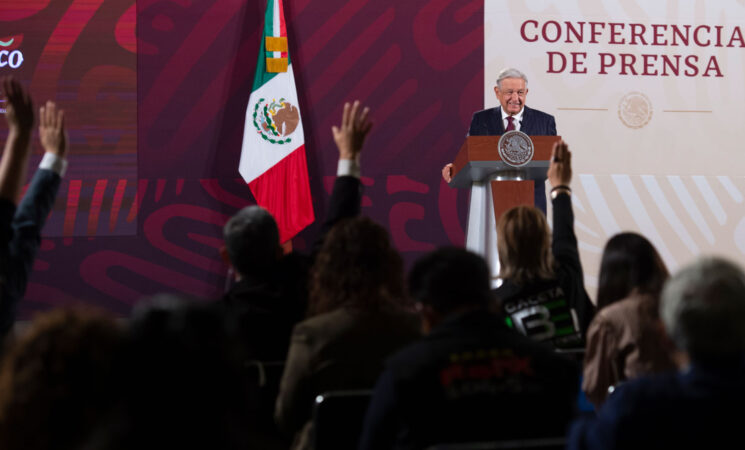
512,95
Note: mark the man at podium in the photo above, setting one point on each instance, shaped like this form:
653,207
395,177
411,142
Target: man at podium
512,114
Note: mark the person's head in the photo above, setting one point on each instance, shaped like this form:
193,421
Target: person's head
511,90
251,240
59,378
450,279
630,263
524,245
185,387
358,267
703,309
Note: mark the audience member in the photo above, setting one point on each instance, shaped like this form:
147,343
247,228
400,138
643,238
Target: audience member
59,379
356,314
543,294
471,378
184,386
626,338
270,295
20,228
703,309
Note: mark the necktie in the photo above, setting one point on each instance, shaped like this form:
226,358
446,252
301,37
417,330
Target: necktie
510,124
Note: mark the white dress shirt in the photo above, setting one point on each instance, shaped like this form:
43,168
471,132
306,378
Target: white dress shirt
518,119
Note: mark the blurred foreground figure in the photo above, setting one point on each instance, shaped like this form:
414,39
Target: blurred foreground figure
60,380
471,378
626,338
703,309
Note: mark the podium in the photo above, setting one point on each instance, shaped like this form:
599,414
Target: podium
496,186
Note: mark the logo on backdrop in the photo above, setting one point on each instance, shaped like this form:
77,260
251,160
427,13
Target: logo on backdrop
635,110
275,120
10,57
515,148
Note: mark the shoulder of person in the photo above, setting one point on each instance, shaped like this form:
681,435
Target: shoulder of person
623,308
319,326
537,113
488,112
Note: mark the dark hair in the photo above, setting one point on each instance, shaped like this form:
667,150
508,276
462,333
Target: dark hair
630,264
524,245
357,266
449,278
58,379
185,388
252,240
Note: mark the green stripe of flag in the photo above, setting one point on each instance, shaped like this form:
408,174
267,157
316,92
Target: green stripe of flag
560,317
262,76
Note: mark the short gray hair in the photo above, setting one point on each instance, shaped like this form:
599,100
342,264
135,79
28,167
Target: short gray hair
252,240
703,308
510,73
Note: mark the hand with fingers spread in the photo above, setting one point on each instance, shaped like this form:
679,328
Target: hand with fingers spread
52,131
350,136
19,109
560,167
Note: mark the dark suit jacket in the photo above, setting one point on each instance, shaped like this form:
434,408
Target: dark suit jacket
693,409
488,122
20,235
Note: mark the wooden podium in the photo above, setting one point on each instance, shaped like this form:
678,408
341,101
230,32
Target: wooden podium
495,187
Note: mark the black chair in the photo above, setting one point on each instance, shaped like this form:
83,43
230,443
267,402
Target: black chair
263,378
549,443
338,417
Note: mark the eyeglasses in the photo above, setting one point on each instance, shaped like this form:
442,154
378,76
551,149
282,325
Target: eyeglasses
520,93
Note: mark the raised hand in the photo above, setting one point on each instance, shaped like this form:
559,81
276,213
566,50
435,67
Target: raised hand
355,126
52,131
560,167
19,109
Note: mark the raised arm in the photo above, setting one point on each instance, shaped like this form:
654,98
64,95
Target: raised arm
564,241
349,137
19,113
32,212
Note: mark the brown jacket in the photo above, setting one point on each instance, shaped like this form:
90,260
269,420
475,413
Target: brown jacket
625,340
339,350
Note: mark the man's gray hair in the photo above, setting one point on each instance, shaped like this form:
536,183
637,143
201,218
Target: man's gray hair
252,240
703,308
510,73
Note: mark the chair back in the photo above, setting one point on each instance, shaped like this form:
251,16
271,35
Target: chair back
263,378
338,417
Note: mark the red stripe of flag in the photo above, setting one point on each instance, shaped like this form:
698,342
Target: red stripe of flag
282,26
284,191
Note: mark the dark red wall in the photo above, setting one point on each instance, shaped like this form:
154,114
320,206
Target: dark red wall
417,63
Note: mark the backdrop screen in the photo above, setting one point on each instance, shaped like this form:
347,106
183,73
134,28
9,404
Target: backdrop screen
82,55
643,93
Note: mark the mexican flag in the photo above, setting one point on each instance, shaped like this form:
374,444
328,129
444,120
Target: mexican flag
273,152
